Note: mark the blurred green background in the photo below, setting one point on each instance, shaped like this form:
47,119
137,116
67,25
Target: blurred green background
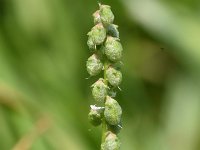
44,97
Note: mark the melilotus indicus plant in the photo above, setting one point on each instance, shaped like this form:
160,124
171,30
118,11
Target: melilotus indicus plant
106,49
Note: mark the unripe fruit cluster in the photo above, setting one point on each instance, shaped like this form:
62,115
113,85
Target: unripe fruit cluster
103,40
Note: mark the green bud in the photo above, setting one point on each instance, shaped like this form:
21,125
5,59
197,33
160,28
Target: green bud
111,142
99,90
106,14
115,128
97,35
112,92
95,115
117,65
112,111
94,65
114,76
112,30
97,17
113,49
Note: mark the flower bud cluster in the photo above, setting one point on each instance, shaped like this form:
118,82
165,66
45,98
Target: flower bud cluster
103,40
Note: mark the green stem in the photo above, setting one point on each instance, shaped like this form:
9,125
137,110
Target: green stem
104,129
104,126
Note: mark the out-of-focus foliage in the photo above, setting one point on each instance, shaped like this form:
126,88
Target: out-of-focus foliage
44,96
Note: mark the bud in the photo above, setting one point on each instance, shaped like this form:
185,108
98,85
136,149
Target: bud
114,76
113,49
97,17
115,128
112,92
112,111
99,90
112,30
97,35
94,65
106,14
111,142
95,115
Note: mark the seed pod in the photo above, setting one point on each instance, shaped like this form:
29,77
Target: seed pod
95,115
112,93
112,30
114,76
106,14
97,35
113,49
97,17
118,65
99,90
94,65
111,142
112,111
115,128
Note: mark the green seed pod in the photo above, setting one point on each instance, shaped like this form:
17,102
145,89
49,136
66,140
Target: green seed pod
106,14
97,35
113,49
95,115
97,17
112,30
112,111
114,76
115,128
94,65
112,93
99,90
118,65
111,142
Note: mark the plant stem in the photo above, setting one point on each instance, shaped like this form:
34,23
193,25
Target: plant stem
104,126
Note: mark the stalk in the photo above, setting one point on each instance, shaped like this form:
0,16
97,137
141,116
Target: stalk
104,126
103,40
104,130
